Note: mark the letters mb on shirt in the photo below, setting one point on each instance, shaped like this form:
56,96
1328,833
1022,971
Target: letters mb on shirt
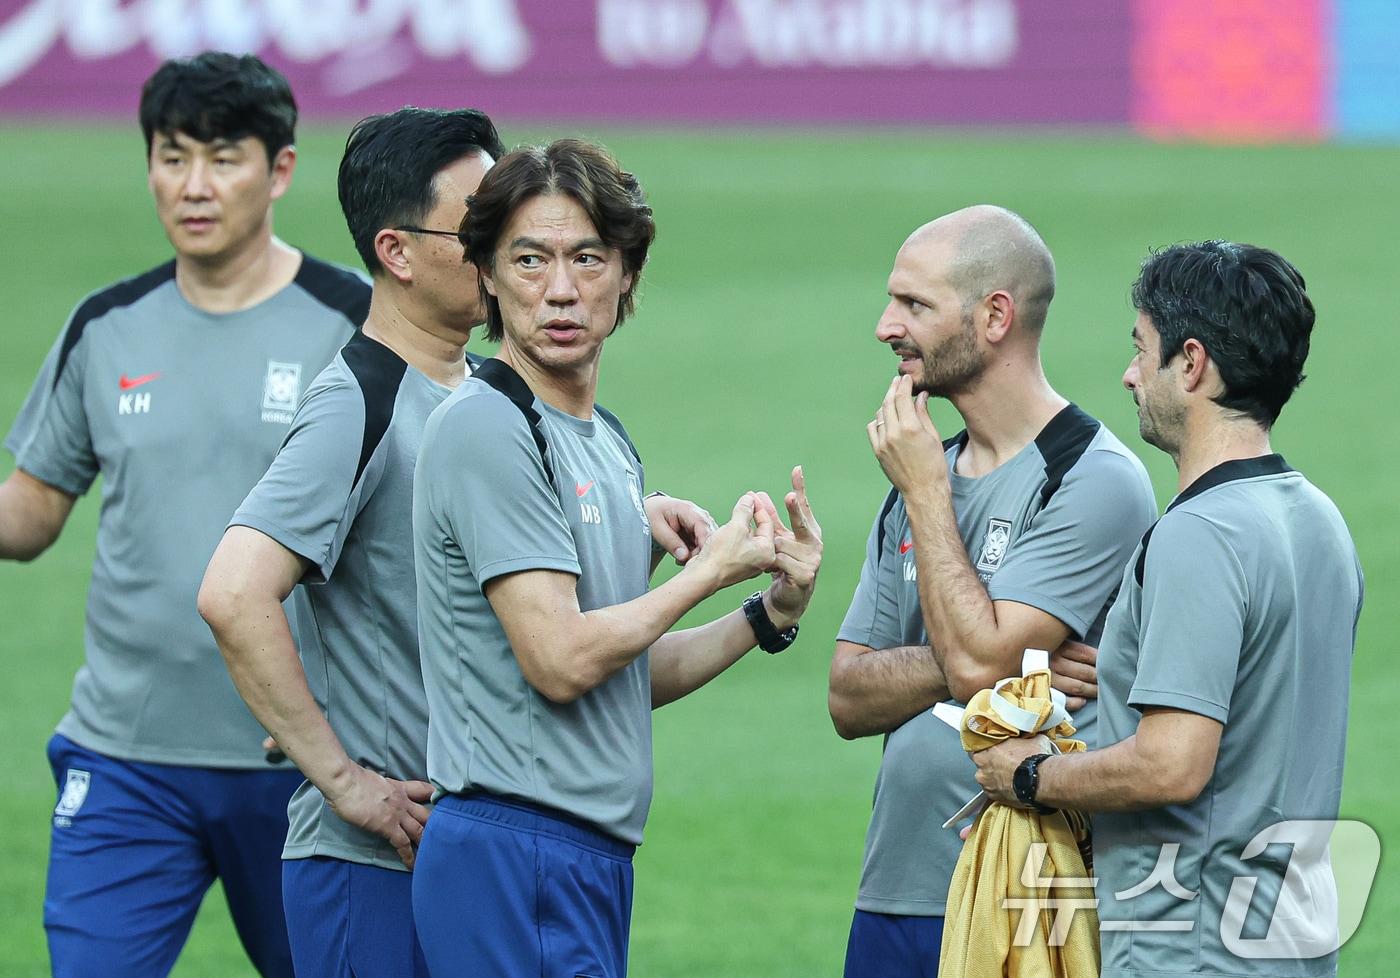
1307,921
588,512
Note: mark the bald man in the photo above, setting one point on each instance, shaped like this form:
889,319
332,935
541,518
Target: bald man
1012,534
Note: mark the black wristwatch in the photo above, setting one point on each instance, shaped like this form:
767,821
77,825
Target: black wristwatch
1026,782
769,638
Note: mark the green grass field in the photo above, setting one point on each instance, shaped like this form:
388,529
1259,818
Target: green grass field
753,350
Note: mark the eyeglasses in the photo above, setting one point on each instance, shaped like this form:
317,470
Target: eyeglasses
449,234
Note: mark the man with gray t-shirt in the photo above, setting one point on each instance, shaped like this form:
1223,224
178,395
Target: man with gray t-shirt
175,386
543,650
1224,667
335,513
1011,535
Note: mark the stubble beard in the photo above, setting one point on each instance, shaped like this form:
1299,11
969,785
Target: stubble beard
954,367
1161,429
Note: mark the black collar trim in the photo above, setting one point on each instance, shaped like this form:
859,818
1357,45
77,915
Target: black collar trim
499,375
1233,471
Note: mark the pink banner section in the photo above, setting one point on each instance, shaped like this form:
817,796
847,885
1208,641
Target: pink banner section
800,61
1241,71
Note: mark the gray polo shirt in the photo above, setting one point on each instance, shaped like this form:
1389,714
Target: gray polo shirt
506,483
1050,528
1240,605
339,494
180,411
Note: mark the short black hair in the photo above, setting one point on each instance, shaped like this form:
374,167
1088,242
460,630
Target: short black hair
1248,306
386,175
584,171
220,96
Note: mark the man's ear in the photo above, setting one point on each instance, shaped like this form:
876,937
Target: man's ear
393,257
1000,309
282,166
1195,364
487,282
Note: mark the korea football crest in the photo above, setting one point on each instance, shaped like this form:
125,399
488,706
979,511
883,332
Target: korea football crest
281,391
634,490
75,790
994,546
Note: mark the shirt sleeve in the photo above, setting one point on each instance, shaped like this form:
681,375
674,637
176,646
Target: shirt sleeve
1070,559
873,617
1194,596
309,497
492,493
50,438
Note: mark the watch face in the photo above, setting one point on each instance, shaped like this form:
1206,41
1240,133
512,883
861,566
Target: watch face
1021,782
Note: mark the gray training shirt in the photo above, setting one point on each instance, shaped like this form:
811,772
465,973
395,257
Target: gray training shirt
180,410
506,483
1240,605
340,495
1050,528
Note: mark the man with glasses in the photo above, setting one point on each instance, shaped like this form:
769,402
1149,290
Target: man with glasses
335,513
175,386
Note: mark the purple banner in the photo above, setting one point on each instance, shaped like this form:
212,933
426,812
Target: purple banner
807,61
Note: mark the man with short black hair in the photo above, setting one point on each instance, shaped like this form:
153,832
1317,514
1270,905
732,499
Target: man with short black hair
1010,535
176,386
544,650
334,512
1224,667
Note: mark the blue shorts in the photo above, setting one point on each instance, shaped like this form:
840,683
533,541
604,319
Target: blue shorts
133,849
503,889
884,945
347,920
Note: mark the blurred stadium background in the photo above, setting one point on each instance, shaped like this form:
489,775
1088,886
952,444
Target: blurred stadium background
788,146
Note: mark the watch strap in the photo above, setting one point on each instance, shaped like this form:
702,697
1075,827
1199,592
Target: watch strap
769,638
1026,783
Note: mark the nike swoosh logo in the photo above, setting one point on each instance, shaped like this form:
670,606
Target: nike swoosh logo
582,490
127,383
906,546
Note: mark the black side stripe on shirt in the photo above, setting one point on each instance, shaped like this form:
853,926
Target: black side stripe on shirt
1062,443
1141,564
124,293
379,372
336,288
498,375
960,439
1232,471
884,515
613,422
